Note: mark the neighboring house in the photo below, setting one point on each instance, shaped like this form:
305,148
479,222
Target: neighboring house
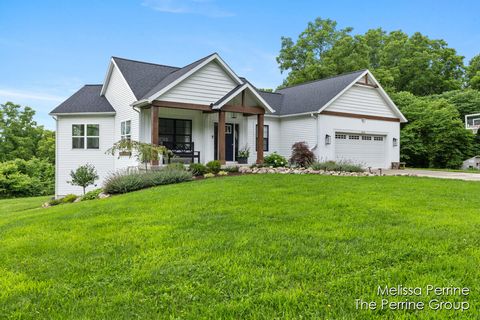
472,122
472,163
205,107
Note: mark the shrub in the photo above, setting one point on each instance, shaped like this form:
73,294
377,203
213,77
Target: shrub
21,178
334,166
301,155
55,202
91,195
214,166
175,166
208,175
84,176
223,173
275,160
69,198
198,169
125,182
231,169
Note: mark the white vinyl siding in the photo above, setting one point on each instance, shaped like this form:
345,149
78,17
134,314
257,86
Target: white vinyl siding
362,100
297,129
205,86
70,159
120,96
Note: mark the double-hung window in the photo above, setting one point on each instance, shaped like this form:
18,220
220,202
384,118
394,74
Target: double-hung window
265,137
85,136
125,130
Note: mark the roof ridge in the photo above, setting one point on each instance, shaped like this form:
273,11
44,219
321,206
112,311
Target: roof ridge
269,92
144,62
318,80
92,84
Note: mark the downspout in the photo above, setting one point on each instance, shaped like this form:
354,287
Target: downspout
315,116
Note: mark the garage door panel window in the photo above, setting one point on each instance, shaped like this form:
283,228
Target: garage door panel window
340,136
354,137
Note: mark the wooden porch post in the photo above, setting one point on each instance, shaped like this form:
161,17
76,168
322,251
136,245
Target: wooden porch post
260,123
221,136
155,131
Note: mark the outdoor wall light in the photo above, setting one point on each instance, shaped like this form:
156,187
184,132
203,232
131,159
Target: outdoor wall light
327,139
395,142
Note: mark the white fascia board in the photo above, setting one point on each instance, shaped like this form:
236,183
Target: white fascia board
189,73
234,94
259,97
298,114
107,77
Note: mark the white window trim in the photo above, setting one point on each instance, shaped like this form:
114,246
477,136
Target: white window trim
126,135
86,136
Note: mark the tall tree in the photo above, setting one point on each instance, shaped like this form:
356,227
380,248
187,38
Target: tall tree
416,64
473,72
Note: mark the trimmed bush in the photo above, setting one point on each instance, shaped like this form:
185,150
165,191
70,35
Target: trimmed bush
198,169
231,169
127,182
91,195
208,175
175,166
69,198
55,202
214,166
336,166
223,173
302,156
275,160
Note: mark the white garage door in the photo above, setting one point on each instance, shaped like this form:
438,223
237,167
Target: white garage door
367,150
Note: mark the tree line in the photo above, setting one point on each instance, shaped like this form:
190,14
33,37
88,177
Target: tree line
426,78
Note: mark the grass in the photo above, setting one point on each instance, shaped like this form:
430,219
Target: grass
257,246
8,206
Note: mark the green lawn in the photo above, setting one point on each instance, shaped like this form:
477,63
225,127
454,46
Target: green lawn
256,246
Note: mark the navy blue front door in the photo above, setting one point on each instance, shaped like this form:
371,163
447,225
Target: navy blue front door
231,141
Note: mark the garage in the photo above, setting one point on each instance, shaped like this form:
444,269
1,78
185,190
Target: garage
365,149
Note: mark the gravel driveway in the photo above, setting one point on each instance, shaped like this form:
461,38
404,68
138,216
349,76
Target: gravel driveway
436,174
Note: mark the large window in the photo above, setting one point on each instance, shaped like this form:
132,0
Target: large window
125,130
174,131
265,137
85,135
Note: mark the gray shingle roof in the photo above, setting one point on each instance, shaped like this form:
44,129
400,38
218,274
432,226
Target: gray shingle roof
311,96
142,76
87,99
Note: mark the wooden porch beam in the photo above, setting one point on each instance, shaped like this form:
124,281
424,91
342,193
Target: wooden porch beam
359,116
221,136
181,105
241,109
260,124
155,132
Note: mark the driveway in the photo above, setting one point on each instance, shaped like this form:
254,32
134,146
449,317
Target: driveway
435,174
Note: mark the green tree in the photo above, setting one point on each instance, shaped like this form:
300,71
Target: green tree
46,146
416,64
434,136
466,101
84,176
473,72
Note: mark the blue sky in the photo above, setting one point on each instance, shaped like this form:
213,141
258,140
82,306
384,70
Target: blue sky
49,49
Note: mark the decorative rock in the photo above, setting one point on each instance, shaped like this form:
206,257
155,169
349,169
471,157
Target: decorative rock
103,195
46,205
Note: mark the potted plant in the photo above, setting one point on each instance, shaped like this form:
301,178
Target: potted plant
243,154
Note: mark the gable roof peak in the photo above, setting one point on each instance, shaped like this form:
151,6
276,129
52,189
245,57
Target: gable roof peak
326,78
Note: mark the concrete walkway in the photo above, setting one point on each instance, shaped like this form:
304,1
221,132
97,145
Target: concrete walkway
435,174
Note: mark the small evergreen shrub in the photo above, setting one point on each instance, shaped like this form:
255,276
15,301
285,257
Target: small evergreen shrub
214,166
175,166
336,166
275,160
198,169
126,182
55,202
91,195
302,156
69,198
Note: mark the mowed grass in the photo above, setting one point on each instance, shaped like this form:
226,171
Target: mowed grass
245,247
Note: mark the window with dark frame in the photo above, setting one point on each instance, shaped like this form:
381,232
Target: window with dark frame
174,131
265,137
85,139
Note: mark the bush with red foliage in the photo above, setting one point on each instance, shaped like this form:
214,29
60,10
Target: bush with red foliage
301,155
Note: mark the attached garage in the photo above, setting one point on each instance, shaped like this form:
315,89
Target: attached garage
366,149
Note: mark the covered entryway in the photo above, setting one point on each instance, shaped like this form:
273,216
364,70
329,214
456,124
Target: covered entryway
367,150
231,141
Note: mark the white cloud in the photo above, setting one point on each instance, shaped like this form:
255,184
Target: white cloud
11,95
201,7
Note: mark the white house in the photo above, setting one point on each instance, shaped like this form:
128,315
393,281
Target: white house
206,109
472,122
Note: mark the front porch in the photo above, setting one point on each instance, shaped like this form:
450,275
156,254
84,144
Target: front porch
199,133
